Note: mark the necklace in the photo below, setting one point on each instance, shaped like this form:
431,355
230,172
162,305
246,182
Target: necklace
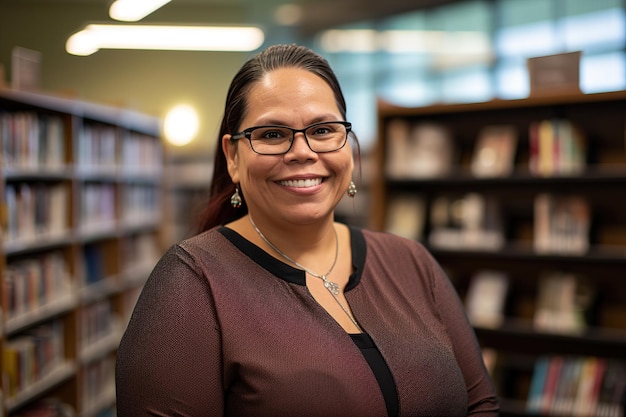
331,286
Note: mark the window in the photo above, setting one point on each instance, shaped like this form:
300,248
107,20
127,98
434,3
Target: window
472,51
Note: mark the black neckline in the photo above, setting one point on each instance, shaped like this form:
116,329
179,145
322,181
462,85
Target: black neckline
286,271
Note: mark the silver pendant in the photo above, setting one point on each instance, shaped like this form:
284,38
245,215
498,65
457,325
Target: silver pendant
330,286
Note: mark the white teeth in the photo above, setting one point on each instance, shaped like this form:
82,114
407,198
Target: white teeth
302,183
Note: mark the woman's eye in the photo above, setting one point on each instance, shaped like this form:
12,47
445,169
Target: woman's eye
273,134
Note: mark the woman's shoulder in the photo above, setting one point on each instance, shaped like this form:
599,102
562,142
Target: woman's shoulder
213,236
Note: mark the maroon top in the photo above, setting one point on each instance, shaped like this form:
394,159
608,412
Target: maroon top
224,329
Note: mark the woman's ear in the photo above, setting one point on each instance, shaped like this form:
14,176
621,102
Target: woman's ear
232,159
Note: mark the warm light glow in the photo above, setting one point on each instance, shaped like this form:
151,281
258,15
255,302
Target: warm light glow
134,10
187,38
180,126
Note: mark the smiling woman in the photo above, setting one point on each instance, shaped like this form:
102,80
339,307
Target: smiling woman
276,309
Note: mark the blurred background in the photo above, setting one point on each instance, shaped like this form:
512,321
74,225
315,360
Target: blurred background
463,64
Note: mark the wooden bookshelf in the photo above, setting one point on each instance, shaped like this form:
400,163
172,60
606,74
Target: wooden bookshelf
600,182
82,187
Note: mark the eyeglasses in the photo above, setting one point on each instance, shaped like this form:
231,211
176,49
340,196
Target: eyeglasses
277,140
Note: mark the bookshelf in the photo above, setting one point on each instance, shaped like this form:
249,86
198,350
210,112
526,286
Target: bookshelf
550,211
82,187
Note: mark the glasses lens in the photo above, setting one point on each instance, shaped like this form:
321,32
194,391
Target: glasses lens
271,140
326,137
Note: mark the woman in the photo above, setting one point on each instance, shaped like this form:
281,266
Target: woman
275,309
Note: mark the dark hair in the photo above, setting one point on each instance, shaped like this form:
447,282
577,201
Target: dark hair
218,210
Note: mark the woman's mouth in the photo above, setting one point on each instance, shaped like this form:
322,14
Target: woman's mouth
309,182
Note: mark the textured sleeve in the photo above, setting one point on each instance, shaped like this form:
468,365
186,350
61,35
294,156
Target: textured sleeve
481,395
169,359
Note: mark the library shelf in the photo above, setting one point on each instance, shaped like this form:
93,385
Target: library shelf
553,217
82,211
60,374
521,337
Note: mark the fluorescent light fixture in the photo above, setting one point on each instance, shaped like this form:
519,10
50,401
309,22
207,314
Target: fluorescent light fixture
156,37
134,10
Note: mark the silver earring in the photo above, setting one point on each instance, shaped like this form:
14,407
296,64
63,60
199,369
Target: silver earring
235,199
351,189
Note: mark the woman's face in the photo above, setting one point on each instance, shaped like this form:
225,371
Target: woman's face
301,186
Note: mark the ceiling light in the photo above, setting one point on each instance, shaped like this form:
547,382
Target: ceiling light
182,38
134,10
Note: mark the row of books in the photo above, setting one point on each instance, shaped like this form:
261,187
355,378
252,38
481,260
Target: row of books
557,147
141,154
472,220
33,282
98,207
32,355
97,147
426,149
141,203
99,383
36,210
48,407
41,210
97,322
100,150
141,252
564,302
32,140
577,386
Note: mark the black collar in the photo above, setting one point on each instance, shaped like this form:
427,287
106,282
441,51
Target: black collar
289,273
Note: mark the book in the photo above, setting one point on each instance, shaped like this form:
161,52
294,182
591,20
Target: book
406,216
553,373
561,224
566,389
398,138
537,383
486,298
612,390
557,147
421,150
591,377
562,302
94,264
494,152
430,151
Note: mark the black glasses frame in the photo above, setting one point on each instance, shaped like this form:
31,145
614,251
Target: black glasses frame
247,133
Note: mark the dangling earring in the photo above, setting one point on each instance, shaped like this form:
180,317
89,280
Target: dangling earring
351,189
235,199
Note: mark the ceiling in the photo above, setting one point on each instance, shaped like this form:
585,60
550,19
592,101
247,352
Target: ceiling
317,14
